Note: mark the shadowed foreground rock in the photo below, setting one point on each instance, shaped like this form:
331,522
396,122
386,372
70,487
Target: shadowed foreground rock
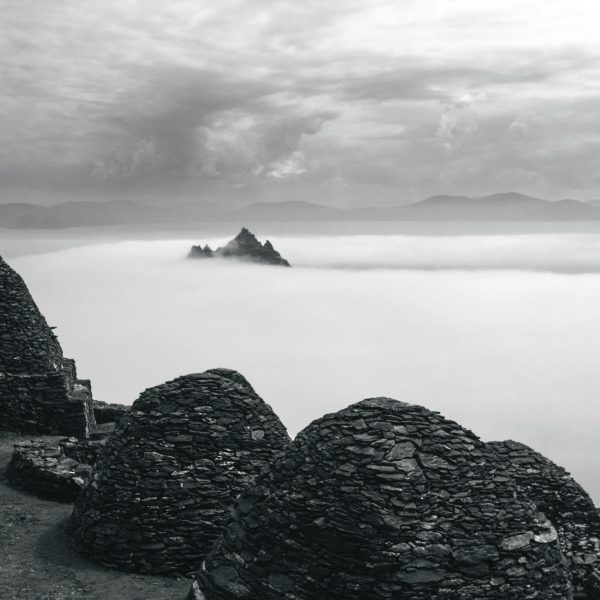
384,501
39,389
105,412
243,246
162,490
563,500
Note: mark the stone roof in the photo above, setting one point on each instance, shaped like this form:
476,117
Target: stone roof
39,389
27,344
160,493
380,501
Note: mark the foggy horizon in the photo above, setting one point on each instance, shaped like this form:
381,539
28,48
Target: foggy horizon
482,329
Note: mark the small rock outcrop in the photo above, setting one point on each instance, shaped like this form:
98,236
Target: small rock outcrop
563,500
161,491
243,246
39,389
383,501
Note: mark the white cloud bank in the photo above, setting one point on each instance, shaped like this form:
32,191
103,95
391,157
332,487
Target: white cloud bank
507,353
567,253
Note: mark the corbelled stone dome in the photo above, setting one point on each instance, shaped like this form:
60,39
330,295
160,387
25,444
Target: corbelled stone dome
39,389
161,491
562,499
382,501
28,344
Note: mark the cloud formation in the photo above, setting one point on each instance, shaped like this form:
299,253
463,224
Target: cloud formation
400,100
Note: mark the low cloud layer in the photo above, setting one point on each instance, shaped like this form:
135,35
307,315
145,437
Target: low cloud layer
507,353
349,103
566,253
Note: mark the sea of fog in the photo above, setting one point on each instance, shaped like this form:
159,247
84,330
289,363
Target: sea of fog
498,332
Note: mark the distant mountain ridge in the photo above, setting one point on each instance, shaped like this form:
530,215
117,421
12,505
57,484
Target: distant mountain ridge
510,206
295,210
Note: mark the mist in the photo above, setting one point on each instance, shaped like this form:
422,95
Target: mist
570,253
499,333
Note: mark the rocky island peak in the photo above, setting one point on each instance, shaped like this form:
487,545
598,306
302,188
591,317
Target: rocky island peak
244,246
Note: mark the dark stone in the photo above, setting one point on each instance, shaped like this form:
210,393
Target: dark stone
109,413
243,246
160,493
422,576
54,469
592,587
49,475
39,389
381,501
201,252
561,499
281,583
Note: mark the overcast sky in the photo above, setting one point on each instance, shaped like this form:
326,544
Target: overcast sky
356,102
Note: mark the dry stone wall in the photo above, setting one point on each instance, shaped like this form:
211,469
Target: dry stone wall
88,451
39,389
109,413
383,501
45,403
161,491
43,469
55,469
562,499
28,344
592,587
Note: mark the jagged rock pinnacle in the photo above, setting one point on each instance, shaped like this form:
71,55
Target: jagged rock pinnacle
244,246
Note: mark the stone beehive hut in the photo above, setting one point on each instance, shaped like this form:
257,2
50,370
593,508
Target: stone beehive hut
562,499
383,501
162,489
39,389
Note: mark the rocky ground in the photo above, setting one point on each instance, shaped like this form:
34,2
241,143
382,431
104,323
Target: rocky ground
37,563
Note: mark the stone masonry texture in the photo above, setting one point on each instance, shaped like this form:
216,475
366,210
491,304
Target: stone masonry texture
162,489
384,501
563,500
39,389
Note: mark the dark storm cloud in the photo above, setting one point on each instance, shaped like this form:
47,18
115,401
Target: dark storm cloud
202,124
102,97
163,127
